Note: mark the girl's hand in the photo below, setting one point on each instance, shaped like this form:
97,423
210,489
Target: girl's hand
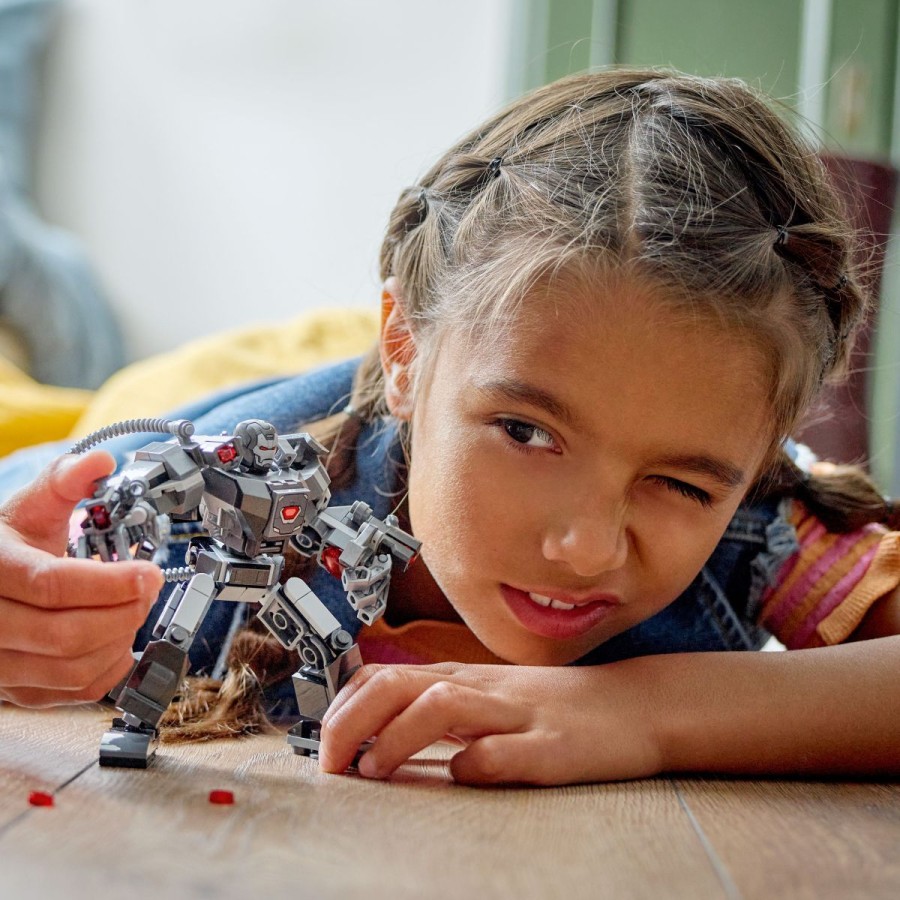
66,625
525,724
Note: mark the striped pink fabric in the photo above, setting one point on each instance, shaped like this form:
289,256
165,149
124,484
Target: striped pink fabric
817,574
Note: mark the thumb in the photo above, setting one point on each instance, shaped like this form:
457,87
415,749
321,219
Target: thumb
40,512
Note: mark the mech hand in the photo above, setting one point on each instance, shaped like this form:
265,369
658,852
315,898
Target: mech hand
360,549
116,520
66,625
520,724
367,587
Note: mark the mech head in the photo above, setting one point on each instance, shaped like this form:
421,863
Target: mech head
257,442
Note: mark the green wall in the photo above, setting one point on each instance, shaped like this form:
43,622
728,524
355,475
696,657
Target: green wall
860,103
756,40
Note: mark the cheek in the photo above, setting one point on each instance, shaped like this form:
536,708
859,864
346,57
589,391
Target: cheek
468,508
443,490
675,550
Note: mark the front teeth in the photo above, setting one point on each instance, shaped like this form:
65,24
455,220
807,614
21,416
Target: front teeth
541,600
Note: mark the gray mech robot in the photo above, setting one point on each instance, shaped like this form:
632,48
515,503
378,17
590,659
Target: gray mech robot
255,492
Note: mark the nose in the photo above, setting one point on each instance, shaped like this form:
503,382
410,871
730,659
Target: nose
589,542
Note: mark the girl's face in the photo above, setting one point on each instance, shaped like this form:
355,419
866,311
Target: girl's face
570,480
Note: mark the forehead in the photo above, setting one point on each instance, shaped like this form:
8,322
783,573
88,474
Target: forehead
580,315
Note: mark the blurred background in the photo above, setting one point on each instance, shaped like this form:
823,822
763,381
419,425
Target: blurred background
205,164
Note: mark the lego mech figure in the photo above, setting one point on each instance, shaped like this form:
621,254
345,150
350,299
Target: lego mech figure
254,491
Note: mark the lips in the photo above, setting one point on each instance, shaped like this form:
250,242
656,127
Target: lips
556,618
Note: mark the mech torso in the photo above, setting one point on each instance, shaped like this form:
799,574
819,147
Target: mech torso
254,506
250,514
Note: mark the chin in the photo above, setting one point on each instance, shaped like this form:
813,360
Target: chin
535,652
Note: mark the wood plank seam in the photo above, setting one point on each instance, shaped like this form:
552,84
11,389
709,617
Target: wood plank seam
718,865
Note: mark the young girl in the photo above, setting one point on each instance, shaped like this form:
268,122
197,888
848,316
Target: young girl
604,311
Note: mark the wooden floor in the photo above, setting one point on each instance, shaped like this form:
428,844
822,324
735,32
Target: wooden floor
292,832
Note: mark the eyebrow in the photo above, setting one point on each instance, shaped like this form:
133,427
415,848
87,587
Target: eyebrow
726,473
522,392
720,470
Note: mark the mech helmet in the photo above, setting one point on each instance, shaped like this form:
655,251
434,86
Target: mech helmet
257,442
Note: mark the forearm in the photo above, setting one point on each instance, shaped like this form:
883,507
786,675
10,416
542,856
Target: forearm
830,710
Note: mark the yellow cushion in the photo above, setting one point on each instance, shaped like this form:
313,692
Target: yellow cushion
32,413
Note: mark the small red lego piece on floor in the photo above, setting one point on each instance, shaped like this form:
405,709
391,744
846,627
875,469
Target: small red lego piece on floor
40,798
223,798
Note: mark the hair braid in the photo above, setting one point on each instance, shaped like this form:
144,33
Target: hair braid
842,497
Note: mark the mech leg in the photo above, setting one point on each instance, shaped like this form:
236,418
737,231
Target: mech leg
154,681
156,676
299,620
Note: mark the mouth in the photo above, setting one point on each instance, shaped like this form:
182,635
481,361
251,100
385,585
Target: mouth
554,617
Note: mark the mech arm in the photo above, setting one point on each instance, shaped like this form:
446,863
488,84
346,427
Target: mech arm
354,545
132,509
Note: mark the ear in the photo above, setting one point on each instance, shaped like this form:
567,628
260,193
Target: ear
398,351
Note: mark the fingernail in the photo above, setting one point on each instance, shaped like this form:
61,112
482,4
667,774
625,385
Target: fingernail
368,766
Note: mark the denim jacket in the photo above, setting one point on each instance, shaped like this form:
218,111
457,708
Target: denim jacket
716,612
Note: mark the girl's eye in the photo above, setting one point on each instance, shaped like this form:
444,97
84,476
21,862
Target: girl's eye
684,489
528,435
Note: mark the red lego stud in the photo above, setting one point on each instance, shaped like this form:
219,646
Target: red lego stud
289,513
99,516
40,798
221,798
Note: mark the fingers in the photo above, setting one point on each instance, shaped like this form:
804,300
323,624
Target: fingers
33,534
445,708
408,709
30,670
362,677
348,722
41,580
104,679
66,676
40,512
68,633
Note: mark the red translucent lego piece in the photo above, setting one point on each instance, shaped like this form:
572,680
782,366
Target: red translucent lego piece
99,516
289,513
40,798
227,453
221,798
330,561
